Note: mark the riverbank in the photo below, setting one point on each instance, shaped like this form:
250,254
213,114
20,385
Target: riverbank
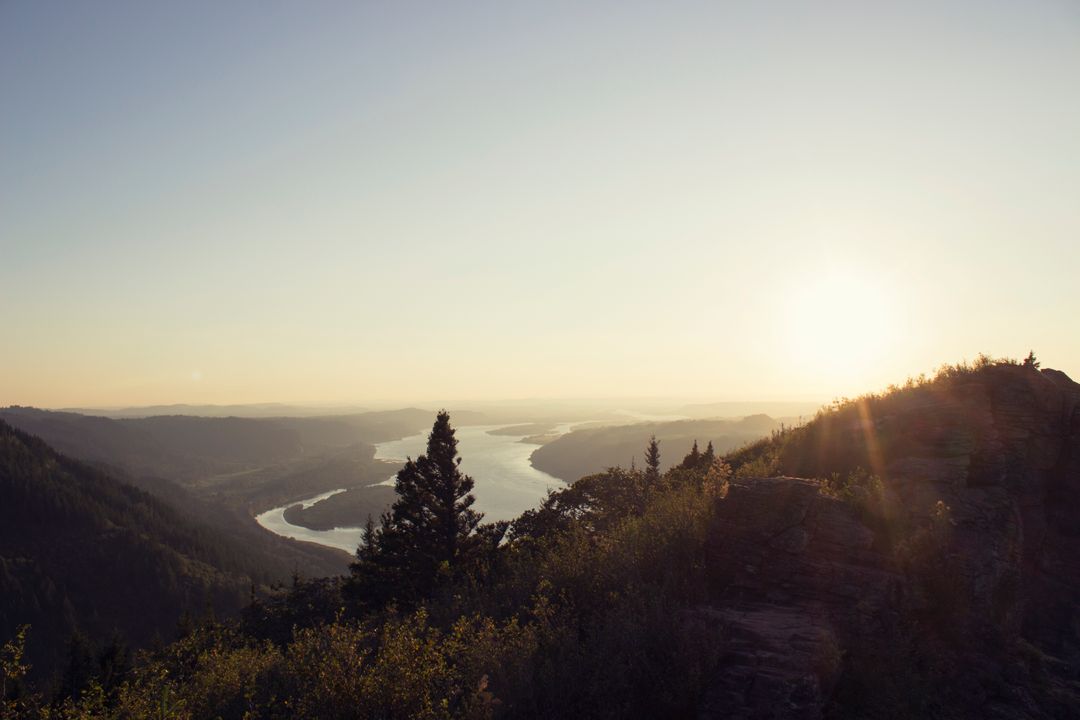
506,485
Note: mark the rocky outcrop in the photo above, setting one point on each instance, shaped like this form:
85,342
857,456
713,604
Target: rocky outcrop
800,578
792,570
1001,448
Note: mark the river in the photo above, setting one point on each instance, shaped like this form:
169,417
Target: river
342,538
506,483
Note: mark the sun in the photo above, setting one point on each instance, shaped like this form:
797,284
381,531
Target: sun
841,324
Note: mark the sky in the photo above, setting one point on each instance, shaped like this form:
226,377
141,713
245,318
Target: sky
376,202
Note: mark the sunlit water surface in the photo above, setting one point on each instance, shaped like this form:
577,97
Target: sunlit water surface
506,483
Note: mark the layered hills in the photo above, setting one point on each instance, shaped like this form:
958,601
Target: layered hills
908,554
592,449
187,448
140,520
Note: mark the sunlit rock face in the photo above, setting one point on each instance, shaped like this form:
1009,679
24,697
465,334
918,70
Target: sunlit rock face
799,579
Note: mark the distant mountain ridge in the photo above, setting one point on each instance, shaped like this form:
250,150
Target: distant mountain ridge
185,447
592,449
737,409
173,446
252,410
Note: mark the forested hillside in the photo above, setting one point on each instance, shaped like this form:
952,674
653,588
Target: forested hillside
186,448
80,551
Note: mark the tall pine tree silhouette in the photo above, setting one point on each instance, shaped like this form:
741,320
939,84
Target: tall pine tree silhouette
693,459
652,460
709,456
428,534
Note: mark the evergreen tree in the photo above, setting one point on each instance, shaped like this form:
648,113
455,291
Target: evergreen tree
428,536
693,460
652,460
1031,362
709,456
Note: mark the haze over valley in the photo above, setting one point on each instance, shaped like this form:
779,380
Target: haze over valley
270,465
529,361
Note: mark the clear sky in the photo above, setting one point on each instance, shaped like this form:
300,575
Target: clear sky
351,202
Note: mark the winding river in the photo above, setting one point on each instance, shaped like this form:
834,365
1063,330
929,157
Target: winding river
342,538
506,483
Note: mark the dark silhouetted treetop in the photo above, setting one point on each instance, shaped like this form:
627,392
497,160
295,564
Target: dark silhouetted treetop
693,458
652,460
709,455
